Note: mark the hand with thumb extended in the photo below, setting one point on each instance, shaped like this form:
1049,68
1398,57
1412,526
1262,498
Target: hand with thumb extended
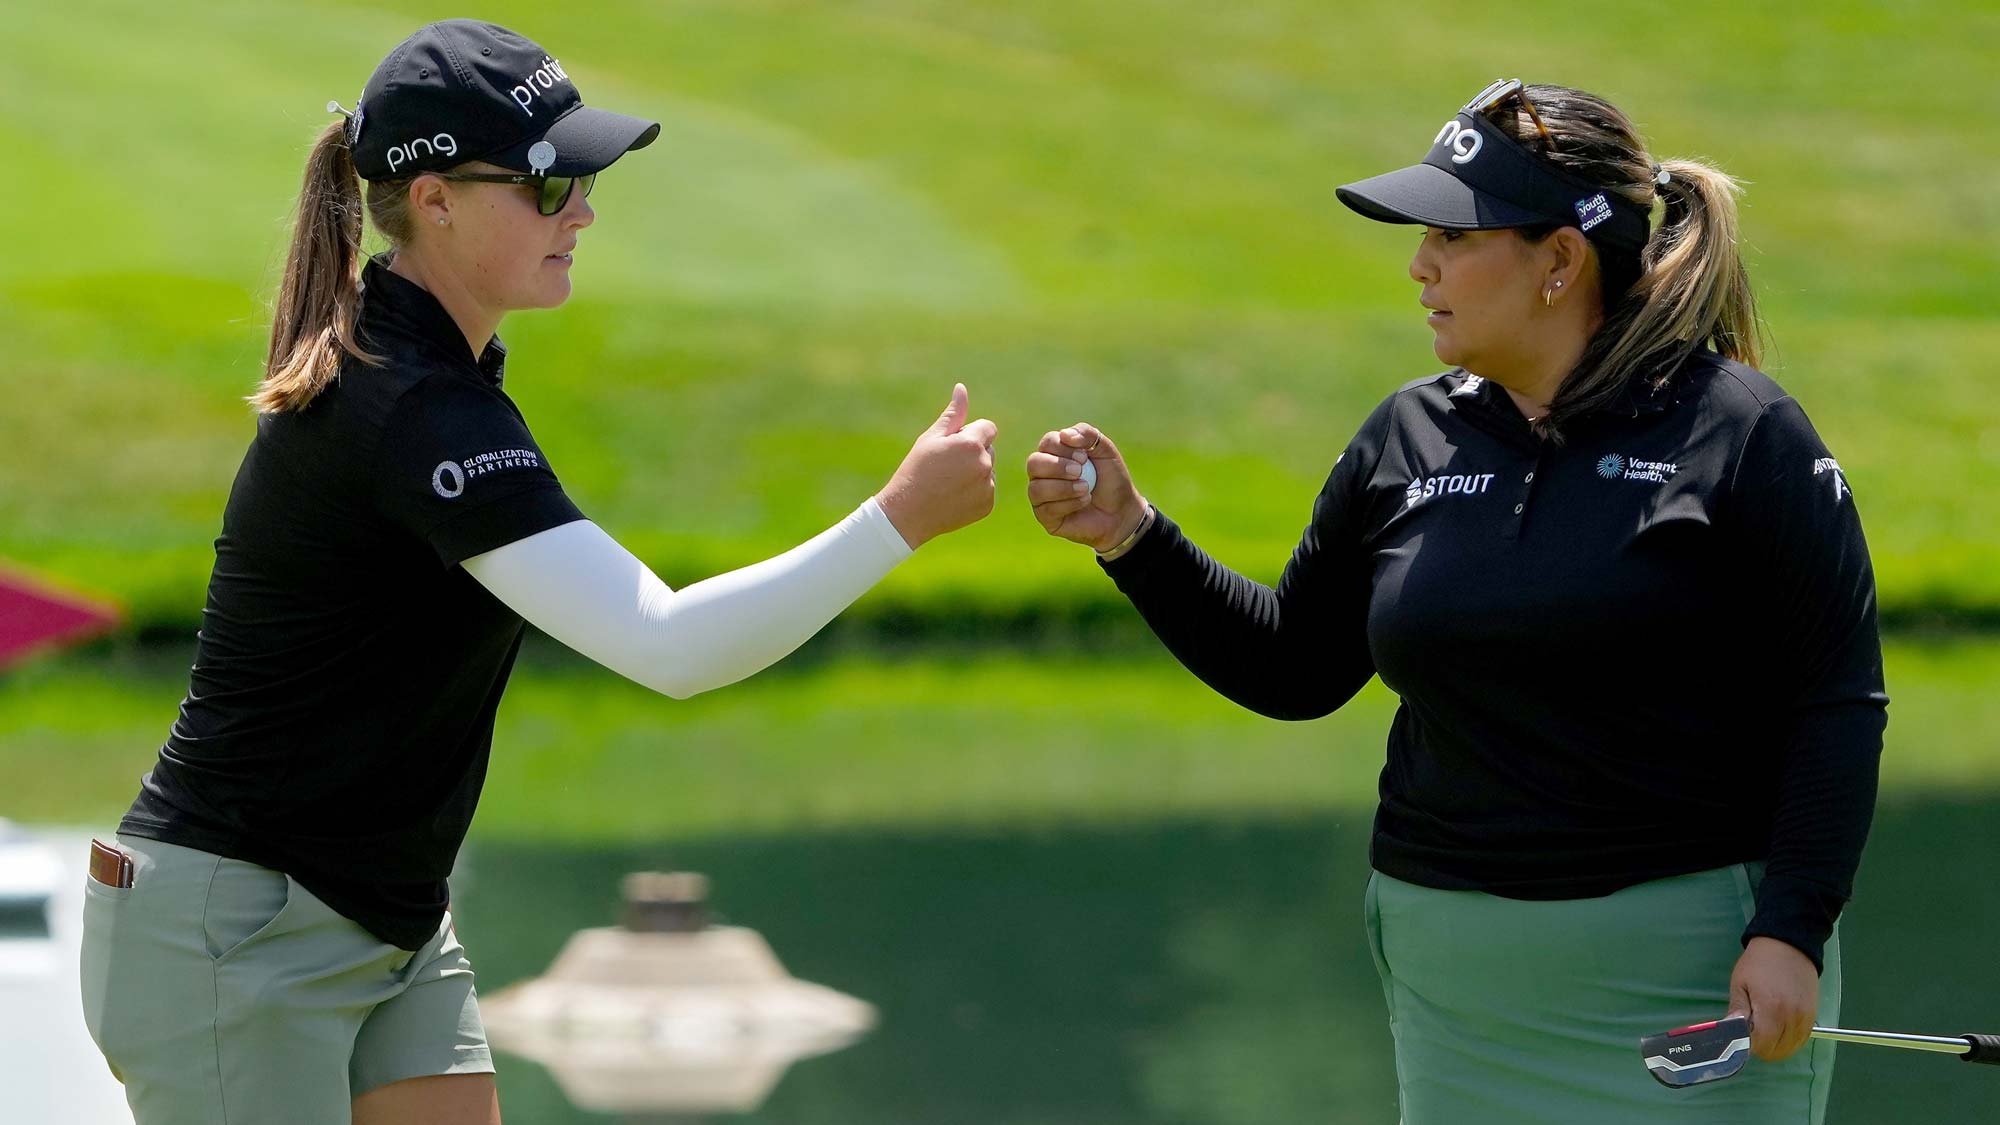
946,481
953,418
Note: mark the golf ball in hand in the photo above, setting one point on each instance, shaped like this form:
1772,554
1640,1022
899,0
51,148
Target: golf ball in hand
1089,476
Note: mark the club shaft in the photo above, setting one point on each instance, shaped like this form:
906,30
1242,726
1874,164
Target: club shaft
1946,1044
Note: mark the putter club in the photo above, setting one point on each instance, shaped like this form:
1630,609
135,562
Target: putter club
1706,1052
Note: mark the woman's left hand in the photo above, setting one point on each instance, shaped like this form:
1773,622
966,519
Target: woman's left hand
1778,988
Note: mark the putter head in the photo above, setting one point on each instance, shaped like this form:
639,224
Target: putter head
1704,1052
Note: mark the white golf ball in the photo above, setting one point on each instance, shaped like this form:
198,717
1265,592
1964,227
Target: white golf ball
1090,476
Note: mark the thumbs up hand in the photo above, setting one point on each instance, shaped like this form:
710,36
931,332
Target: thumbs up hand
946,481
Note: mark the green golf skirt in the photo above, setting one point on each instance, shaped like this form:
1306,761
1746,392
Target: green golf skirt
1505,1011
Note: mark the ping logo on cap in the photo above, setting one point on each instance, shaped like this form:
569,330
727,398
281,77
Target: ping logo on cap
444,144
1464,143
539,81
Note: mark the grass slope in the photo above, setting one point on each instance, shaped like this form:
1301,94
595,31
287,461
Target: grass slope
1119,211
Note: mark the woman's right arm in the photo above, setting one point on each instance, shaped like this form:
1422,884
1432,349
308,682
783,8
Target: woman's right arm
577,584
1296,651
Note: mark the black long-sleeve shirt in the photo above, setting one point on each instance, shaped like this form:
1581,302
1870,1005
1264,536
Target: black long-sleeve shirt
1646,652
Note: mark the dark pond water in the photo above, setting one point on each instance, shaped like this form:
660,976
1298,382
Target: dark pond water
1180,973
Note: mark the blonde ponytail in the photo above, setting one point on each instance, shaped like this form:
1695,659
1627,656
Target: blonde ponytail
319,300
1696,286
1686,288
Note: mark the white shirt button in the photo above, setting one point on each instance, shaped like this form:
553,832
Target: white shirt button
1517,508
1529,479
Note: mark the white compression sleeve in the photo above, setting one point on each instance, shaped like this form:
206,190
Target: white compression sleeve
576,584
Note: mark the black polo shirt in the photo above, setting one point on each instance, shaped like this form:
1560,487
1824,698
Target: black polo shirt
340,709
1645,652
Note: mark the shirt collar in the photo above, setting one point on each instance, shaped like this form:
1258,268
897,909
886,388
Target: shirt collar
393,302
1485,404
1635,398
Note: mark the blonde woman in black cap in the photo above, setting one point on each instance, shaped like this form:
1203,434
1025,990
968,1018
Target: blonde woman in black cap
267,939
1622,591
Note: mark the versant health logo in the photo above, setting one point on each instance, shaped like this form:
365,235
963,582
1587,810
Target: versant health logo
1612,466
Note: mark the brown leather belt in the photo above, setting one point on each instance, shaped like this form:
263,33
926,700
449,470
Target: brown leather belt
110,866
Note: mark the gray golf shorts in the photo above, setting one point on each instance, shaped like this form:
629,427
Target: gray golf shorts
220,991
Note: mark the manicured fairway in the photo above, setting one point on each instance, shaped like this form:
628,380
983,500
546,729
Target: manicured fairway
1119,210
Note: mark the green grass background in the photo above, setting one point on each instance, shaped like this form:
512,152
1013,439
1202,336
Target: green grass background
1119,211
1002,740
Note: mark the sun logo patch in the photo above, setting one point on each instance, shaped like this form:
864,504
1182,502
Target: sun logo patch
1610,466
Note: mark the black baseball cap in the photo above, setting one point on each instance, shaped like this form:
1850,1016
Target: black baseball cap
1476,177
461,90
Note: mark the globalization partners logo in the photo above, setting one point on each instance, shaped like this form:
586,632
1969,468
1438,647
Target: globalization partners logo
448,480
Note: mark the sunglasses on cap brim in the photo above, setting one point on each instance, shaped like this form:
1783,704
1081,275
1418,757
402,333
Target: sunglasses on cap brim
551,192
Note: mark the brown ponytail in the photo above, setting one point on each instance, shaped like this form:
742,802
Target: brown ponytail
1686,288
319,299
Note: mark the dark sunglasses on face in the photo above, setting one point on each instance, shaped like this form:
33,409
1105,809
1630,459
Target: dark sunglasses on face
551,192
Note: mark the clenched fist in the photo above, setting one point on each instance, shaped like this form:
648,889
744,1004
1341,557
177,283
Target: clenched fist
1101,518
